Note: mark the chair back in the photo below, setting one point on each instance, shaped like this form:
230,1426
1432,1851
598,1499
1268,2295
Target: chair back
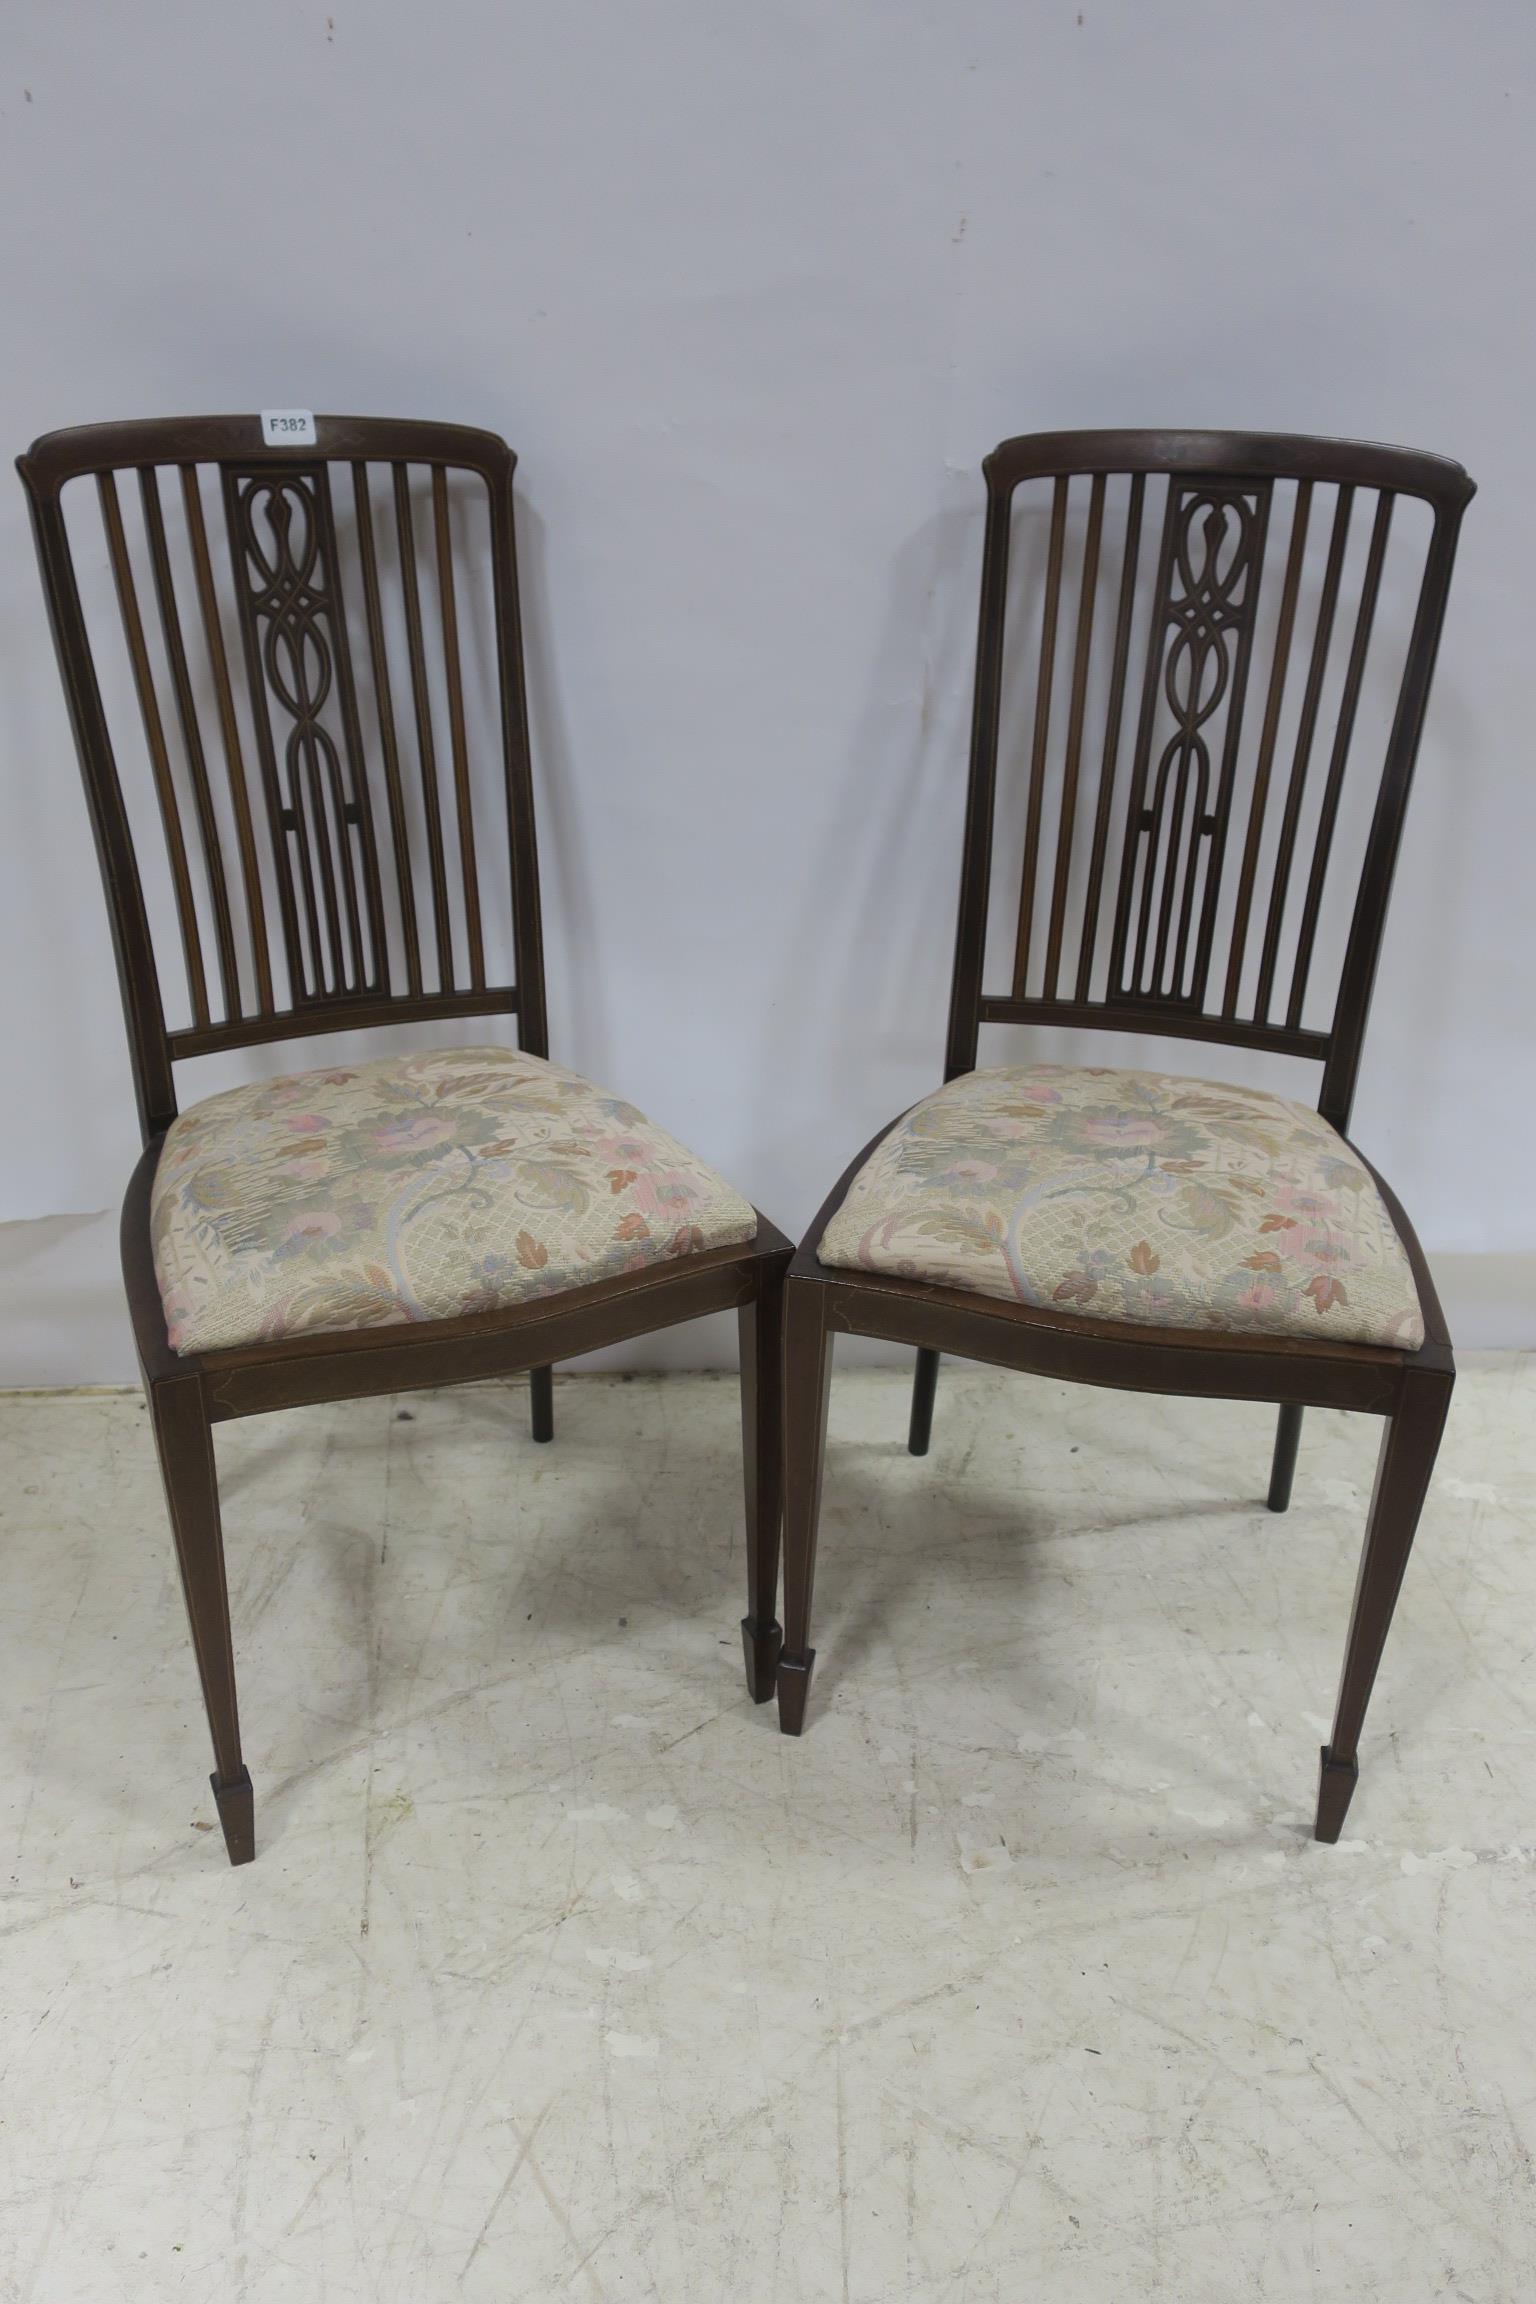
1189,656
295,679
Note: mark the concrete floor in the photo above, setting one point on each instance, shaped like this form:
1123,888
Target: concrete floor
560,1973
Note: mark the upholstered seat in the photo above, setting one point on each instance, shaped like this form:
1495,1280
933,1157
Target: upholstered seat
1134,1196
415,1188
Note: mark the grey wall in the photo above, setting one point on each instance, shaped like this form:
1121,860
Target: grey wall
752,289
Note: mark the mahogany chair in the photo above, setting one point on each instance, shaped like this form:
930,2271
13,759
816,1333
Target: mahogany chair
340,848
1134,1229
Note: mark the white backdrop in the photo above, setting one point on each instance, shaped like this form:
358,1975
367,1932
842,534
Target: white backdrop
752,289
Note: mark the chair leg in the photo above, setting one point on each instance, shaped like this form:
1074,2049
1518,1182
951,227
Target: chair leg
760,1325
925,1382
184,1439
541,1402
807,1379
1283,1470
1408,1450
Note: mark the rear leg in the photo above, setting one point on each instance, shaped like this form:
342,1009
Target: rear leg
1283,1470
925,1382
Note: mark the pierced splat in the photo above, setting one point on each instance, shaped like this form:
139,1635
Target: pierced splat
1197,664
283,544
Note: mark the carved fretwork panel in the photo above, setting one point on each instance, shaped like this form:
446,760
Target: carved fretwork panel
1199,644
305,714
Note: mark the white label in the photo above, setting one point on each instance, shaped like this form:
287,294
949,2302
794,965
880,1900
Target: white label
288,427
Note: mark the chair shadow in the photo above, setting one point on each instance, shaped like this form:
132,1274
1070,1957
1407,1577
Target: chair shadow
877,1567
909,747
874,1586
862,1589
497,1410
863,1585
575,994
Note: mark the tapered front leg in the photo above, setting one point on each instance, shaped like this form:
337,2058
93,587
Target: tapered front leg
760,1325
807,1380
184,1439
1408,1450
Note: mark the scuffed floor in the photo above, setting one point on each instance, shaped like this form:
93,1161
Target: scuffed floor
560,1973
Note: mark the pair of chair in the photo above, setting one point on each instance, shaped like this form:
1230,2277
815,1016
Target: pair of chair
326,831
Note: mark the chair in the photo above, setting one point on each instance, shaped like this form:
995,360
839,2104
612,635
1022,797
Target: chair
1129,1228
340,849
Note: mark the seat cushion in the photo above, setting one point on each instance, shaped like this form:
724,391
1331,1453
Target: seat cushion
1133,1196
415,1188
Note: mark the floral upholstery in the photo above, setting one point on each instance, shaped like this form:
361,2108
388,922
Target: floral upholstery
1133,1196
413,1189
